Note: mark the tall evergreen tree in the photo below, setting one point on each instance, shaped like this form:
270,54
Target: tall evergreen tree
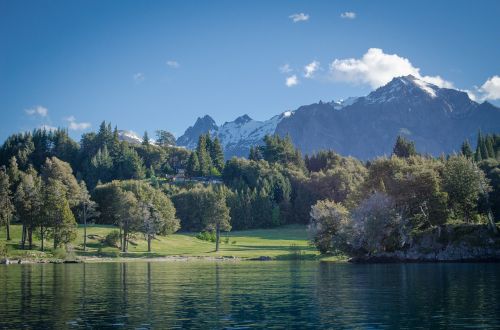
404,148
203,154
57,213
193,165
217,155
28,202
466,149
145,139
6,205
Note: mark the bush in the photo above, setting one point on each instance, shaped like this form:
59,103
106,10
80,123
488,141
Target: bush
59,253
3,249
208,236
112,238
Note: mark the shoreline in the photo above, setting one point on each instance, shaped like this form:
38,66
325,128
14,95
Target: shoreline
375,259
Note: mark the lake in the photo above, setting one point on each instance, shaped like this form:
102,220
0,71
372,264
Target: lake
243,295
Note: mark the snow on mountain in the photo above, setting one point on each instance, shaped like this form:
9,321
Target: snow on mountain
403,87
337,105
129,136
202,125
235,136
437,119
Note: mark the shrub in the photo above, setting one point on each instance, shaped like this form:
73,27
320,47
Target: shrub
327,220
59,253
112,238
208,236
3,249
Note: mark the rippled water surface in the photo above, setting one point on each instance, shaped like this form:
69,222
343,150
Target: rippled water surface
249,295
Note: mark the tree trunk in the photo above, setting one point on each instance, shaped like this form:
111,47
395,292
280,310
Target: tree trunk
124,245
41,237
121,237
84,228
7,227
56,243
149,243
217,237
23,237
30,238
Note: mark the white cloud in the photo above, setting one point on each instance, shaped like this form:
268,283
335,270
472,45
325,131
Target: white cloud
491,89
139,77
76,126
377,68
285,68
291,81
173,64
300,17
348,15
38,110
471,94
310,69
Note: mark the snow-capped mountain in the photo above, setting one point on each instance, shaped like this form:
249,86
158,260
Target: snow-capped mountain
129,136
236,136
437,119
202,125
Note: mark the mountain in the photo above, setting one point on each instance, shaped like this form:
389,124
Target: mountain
236,136
202,125
437,119
129,136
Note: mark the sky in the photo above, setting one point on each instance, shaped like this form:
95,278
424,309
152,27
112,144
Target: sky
148,65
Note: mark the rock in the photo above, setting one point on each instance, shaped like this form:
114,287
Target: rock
4,261
261,258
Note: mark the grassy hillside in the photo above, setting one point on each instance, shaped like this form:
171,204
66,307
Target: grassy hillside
286,242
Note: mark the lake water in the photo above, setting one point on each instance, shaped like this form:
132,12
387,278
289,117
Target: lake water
249,295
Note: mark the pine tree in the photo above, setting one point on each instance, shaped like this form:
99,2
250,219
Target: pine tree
28,202
145,139
14,173
193,165
466,149
58,214
6,205
256,154
404,148
115,146
204,155
489,146
217,155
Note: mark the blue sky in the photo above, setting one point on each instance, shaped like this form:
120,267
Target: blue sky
147,65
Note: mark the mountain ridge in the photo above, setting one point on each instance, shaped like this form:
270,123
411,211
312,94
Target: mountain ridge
437,119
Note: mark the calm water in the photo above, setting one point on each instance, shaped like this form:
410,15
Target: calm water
249,295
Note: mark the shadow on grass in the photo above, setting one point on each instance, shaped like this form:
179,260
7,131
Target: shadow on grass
263,247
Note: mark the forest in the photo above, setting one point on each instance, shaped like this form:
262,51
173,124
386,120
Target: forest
50,184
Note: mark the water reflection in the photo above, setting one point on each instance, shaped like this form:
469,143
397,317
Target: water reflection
260,294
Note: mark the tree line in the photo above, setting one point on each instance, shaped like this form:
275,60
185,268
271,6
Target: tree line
49,182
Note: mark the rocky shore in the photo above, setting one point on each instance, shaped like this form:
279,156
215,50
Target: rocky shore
445,244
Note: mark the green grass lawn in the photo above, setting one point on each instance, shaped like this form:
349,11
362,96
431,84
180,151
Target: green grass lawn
285,242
